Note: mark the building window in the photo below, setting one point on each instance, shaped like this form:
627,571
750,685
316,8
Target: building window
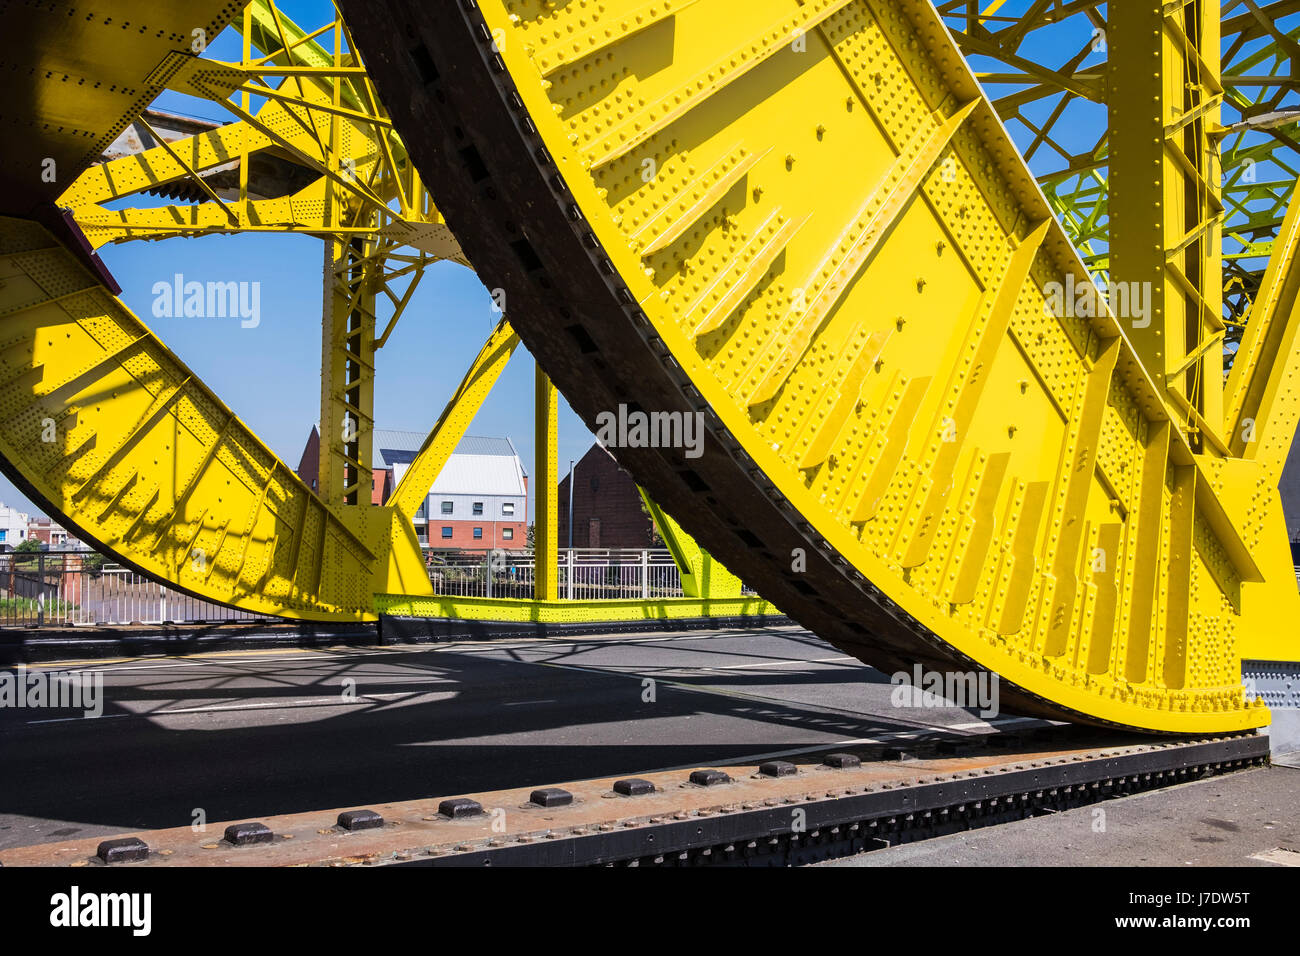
478,532
478,508
3,534
446,507
508,508
508,534
446,532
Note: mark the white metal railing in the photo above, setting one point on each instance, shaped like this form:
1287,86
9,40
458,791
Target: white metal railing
498,573
584,574
592,575
119,595
81,588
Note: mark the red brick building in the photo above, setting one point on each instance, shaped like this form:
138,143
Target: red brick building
49,533
606,506
479,500
381,479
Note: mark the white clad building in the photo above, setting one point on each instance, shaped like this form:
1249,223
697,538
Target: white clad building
13,527
478,501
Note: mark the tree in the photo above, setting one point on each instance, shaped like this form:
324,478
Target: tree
30,546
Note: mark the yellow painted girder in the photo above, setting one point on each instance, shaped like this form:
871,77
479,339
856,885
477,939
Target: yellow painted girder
814,211
353,150
1165,202
413,490
850,268
1261,392
348,336
302,211
546,495
129,447
87,70
702,575
650,611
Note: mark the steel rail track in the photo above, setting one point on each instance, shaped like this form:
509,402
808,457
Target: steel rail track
822,807
843,825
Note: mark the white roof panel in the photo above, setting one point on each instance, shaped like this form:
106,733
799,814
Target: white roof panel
397,447
480,475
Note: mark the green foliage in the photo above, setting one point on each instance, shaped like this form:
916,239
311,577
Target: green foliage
32,605
29,548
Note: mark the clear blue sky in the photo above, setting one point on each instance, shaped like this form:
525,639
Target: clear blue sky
270,375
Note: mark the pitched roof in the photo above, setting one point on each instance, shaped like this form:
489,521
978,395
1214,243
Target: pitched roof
480,475
394,446
479,465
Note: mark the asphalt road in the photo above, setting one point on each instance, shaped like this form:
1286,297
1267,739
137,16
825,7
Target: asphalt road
242,735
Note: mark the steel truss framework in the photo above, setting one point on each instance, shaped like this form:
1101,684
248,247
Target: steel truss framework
304,113
815,234
1047,66
786,242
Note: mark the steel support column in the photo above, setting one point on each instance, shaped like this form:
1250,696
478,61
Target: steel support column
546,492
1166,211
347,374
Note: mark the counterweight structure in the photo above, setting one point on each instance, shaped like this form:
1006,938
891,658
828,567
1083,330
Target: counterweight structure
954,416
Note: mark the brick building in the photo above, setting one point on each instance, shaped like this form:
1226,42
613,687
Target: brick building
478,501
381,480
606,506
51,534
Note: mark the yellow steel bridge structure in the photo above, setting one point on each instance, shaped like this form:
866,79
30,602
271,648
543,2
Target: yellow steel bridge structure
956,414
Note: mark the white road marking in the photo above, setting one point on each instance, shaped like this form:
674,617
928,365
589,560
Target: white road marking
788,663
783,631
300,702
204,663
64,720
116,668
996,722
